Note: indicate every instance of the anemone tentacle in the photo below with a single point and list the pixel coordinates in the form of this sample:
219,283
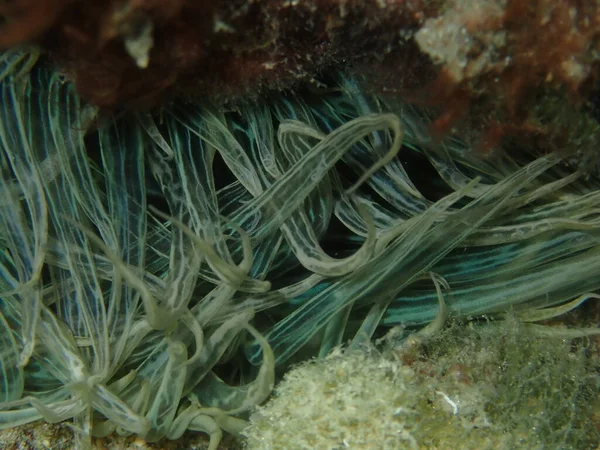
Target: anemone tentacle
142,255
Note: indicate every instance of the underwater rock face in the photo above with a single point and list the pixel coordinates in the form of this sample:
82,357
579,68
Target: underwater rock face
44,436
137,52
481,62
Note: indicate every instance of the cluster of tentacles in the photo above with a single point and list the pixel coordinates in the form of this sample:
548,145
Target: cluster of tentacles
143,253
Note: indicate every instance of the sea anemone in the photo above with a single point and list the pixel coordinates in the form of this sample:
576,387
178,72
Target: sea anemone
157,268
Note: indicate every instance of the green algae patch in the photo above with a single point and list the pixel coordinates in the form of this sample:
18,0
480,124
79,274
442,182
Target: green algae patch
493,386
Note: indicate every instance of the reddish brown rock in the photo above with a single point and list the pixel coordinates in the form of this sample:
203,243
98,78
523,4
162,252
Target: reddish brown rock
482,65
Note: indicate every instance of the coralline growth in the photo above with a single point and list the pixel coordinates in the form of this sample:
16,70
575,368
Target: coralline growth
495,386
